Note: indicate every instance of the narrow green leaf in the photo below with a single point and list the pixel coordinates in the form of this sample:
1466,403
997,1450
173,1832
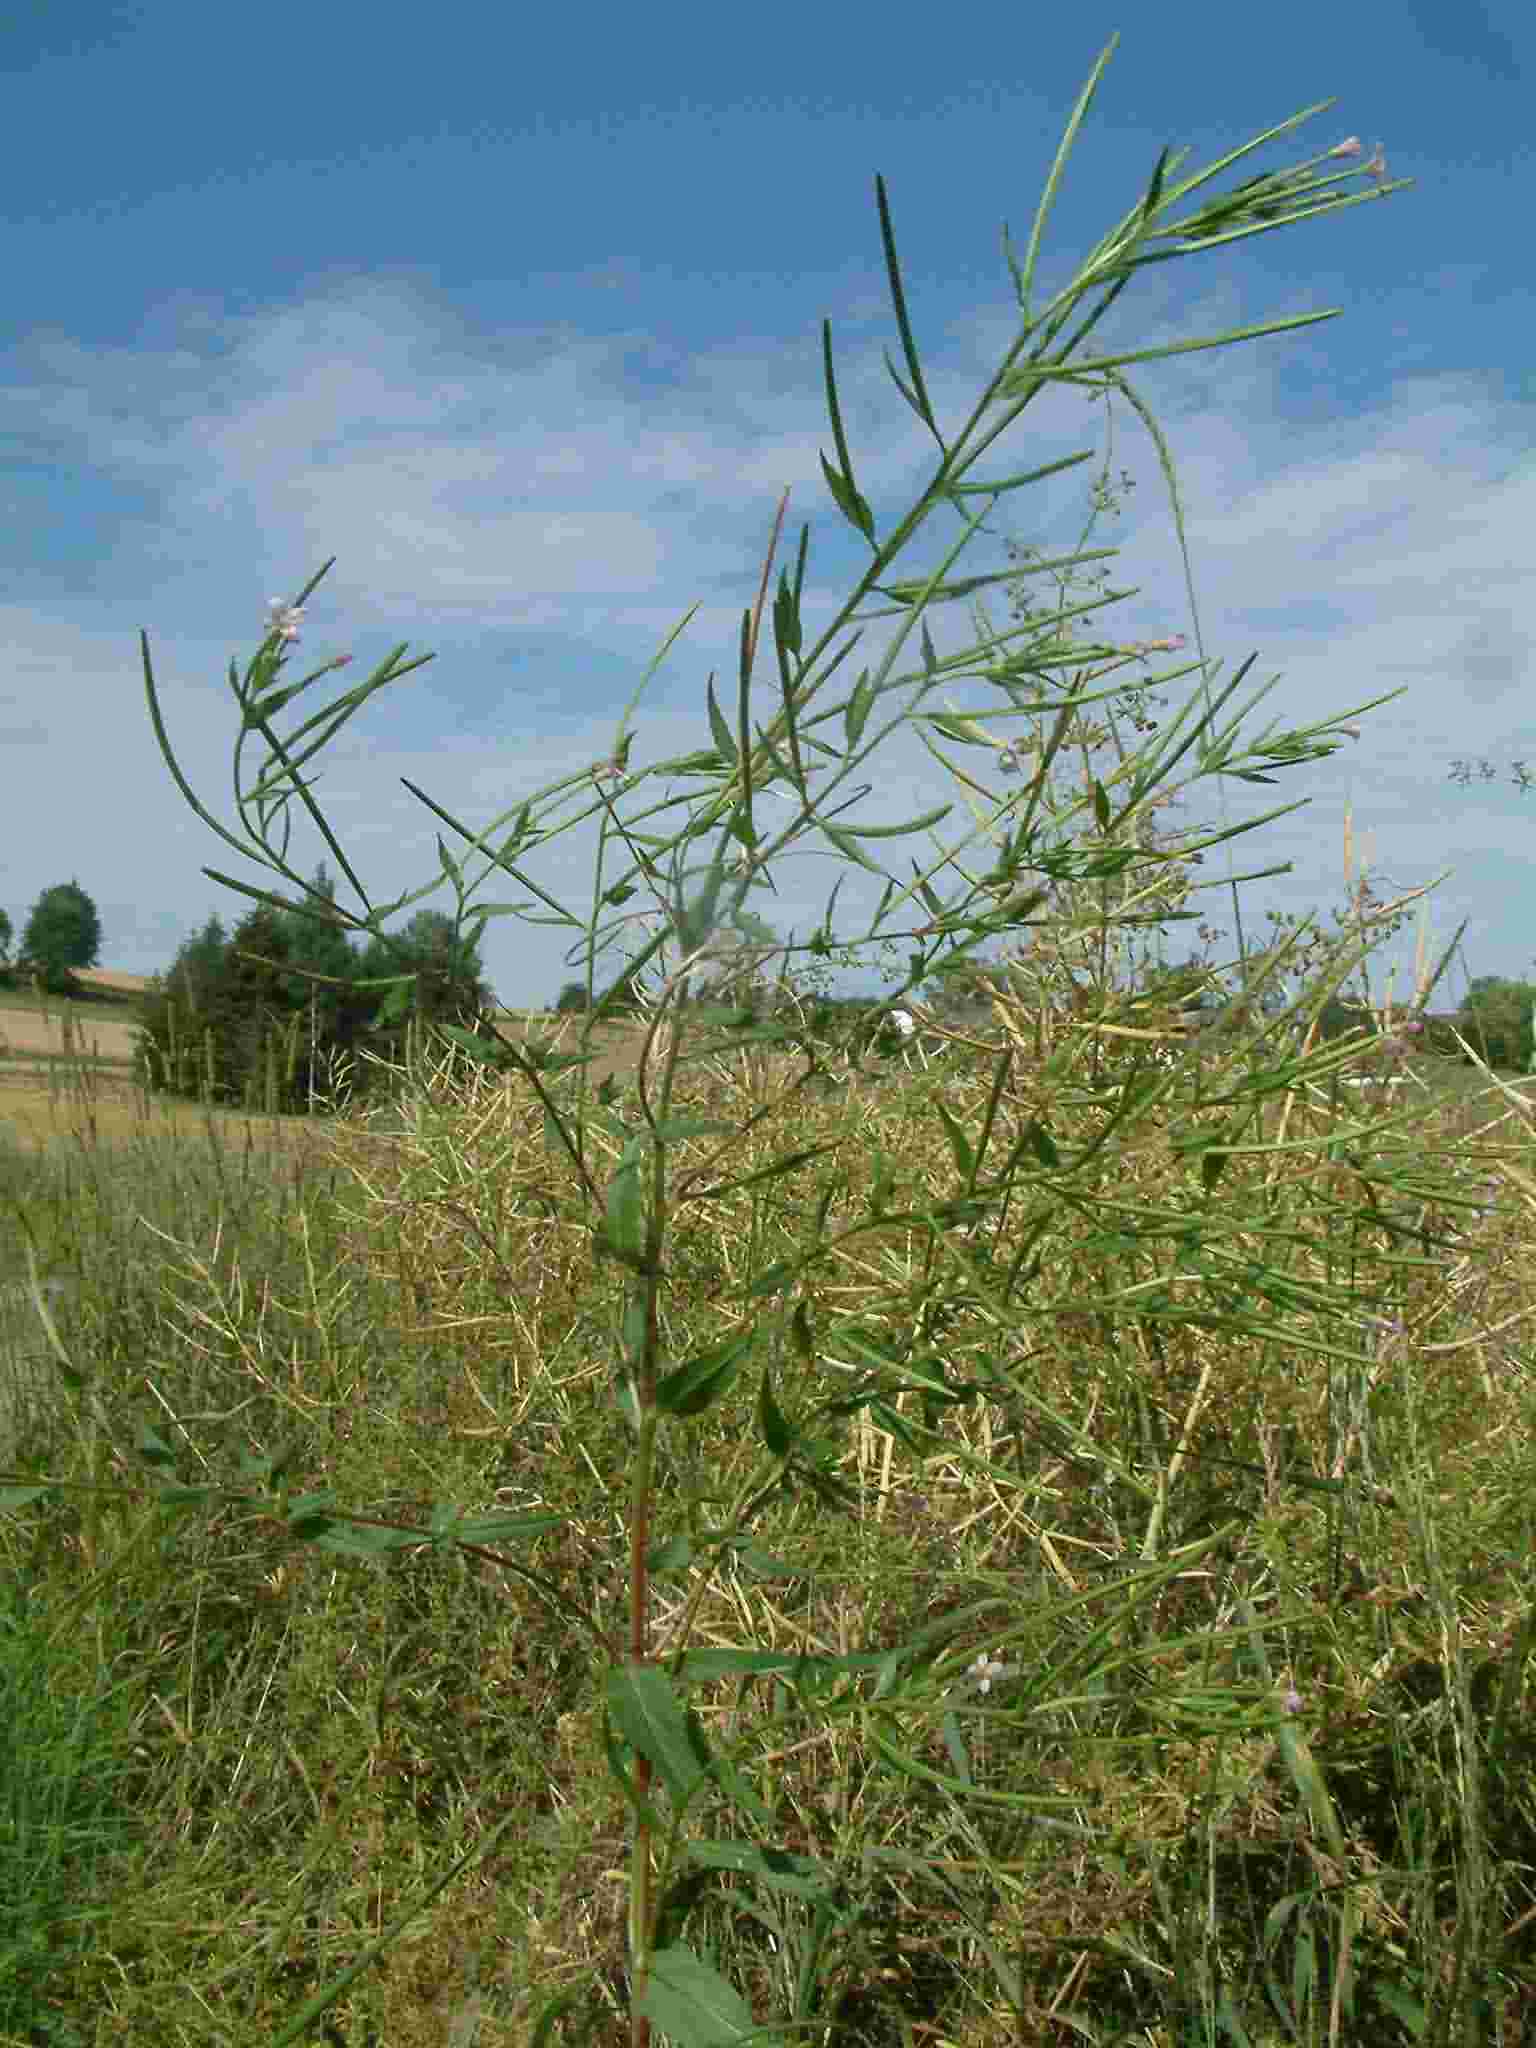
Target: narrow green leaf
1020,291
920,404
908,593
1413,2015
675,1555
764,1172
1042,1144
720,732
954,1742
310,1507
495,1528
649,1714
993,487
624,1221
843,488
921,824
931,900
490,1052
963,731
849,503
354,1539
634,1327
776,1431
692,2004
691,1387
801,1876
696,920
959,1143
741,828
786,616
909,396
1101,805
1149,204
20,1496
848,847
618,1768
1213,1164
762,1564
856,711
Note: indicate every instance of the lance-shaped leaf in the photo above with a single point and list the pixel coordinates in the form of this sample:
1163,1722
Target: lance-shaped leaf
921,824
959,1143
841,484
847,847
497,1528
624,1219
965,732
917,398
691,1387
720,732
692,2004
786,616
801,1876
619,1757
696,920
856,710
650,1715
779,1433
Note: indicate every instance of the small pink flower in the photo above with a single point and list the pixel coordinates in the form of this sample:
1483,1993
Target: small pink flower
283,618
1351,147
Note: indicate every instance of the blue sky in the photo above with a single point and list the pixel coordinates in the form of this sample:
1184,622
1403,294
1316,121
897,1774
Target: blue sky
518,314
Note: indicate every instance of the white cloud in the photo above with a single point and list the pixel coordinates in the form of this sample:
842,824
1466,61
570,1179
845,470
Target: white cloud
475,491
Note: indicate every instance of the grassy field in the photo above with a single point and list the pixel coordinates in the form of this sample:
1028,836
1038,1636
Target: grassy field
247,1758
47,1043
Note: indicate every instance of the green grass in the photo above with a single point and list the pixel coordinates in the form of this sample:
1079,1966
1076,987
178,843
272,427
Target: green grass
299,1745
62,1819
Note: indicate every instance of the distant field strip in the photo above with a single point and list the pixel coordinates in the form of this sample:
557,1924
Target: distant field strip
25,1033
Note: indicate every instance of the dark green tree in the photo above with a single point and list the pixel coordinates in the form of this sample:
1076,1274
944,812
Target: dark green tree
573,996
448,987
334,1010
186,1022
63,932
1495,1019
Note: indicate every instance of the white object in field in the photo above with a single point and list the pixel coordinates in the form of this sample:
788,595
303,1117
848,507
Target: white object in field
906,1025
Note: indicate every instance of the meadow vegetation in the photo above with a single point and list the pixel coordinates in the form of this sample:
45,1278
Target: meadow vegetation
764,1540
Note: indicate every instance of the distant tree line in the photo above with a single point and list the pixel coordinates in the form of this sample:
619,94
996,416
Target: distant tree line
234,1021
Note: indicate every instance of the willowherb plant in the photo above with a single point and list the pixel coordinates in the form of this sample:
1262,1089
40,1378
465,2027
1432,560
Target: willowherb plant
635,1161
